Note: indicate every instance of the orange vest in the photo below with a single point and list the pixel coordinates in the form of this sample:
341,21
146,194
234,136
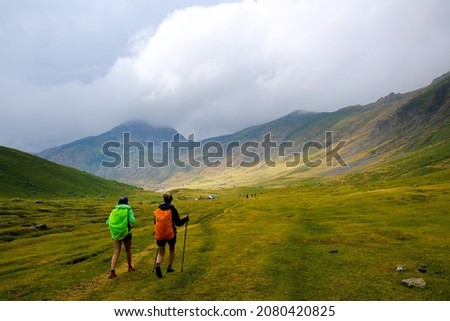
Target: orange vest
163,225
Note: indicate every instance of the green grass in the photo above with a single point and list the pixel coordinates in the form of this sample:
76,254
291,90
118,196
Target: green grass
274,246
27,176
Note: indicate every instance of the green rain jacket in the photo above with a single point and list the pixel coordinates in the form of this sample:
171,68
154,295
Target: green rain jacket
120,221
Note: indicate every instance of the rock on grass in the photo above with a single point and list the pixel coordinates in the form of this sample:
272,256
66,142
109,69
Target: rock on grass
415,282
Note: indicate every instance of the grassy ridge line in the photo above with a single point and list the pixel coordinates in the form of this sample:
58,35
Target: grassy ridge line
23,175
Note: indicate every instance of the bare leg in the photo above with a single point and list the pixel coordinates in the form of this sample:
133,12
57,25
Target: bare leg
161,253
171,254
159,259
128,251
115,257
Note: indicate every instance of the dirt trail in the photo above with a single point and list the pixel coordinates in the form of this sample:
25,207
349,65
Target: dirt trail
82,290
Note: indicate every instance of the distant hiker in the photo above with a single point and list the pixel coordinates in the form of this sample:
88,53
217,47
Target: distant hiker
120,222
165,221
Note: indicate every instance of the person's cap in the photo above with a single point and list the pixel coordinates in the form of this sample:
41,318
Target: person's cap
123,200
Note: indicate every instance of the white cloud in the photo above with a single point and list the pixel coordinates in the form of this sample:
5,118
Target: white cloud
218,69
214,70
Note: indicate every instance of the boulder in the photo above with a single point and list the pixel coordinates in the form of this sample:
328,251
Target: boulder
415,282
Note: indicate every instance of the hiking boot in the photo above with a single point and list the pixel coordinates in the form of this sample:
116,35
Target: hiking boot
112,274
158,272
170,270
131,269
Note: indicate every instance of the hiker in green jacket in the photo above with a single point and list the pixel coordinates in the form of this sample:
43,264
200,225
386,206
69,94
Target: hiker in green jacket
120,222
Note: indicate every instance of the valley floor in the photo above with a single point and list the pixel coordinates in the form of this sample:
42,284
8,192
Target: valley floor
306,242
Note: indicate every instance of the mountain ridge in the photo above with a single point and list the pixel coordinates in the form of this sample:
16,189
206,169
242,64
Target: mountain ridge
375,134
88,154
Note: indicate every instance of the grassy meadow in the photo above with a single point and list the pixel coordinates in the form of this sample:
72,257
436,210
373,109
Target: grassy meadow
313,240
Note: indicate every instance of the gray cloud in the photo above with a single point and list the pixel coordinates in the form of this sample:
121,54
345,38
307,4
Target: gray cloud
213,70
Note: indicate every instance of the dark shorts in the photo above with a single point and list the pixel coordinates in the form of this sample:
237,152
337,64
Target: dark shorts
126,238
163,242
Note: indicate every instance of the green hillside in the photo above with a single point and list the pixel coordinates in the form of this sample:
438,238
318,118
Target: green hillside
23,176
396,135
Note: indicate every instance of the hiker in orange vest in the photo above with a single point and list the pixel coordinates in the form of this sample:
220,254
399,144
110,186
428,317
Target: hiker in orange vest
165,222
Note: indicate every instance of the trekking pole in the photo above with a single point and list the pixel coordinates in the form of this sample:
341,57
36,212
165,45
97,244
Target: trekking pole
156,256
184,246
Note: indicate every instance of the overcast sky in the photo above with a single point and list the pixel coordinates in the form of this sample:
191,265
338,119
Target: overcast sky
72,68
